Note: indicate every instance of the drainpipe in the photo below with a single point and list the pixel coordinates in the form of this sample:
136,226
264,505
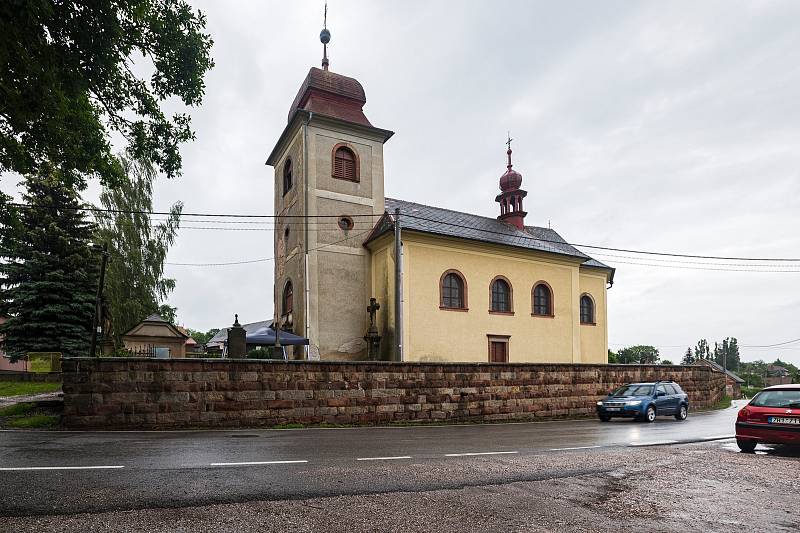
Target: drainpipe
307,306
398,286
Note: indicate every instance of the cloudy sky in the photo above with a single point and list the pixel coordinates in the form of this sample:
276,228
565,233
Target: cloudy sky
662,126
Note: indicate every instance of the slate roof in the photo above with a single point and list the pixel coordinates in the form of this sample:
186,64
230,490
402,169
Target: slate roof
439,221
719,368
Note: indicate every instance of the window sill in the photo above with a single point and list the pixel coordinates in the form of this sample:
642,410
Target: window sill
354,180
537,315
507,313
588,323
458,309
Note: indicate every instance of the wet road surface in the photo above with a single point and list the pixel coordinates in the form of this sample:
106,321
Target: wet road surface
49,472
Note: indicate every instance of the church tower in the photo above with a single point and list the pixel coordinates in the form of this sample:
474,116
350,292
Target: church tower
328,184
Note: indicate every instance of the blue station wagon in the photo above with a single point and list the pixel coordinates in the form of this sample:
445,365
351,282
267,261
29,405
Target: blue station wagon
645,401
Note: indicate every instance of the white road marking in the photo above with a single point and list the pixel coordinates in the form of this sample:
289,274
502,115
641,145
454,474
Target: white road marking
383,458
250,463
98,467
653,443
476,453
574,448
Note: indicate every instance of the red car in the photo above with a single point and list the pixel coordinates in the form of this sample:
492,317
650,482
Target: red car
772,416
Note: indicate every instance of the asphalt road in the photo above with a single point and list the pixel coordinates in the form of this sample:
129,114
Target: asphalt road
55,472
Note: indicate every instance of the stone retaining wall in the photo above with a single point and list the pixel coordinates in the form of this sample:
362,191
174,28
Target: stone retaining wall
48,377
178,393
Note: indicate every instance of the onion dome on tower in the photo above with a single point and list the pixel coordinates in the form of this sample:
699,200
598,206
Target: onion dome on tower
510,199
327,93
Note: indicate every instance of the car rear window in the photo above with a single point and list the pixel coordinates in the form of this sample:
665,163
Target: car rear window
670,388
634,390
678,389
777,398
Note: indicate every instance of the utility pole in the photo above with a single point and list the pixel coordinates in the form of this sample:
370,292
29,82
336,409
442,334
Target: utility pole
98,300
398,287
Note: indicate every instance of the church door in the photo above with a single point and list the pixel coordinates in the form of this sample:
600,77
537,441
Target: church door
498,352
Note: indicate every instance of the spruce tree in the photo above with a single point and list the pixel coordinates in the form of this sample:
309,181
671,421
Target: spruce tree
49,273
688,357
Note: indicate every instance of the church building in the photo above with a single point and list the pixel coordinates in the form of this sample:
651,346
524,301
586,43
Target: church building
474,289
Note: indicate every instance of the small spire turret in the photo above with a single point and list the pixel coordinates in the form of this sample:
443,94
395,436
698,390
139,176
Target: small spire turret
325,38
510,197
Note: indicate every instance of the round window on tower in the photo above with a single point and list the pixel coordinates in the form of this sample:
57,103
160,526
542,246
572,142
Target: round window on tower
346,222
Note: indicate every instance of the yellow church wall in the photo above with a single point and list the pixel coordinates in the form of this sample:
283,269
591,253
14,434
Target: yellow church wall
434,334
594,338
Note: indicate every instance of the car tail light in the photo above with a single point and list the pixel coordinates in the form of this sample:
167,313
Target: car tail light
743,413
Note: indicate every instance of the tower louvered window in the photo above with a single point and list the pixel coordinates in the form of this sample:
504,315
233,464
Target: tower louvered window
288,299
344,164
288,183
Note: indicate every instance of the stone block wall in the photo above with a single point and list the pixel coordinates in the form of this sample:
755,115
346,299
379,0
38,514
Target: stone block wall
182,393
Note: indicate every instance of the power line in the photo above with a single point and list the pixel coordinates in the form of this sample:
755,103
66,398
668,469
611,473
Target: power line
265,259
709,268
769,345
167,213
96,211
667,254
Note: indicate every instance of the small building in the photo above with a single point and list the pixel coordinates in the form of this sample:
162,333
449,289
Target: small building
777,375
154,334
733,383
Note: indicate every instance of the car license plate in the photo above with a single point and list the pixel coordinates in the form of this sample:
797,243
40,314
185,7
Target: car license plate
612,408
784,420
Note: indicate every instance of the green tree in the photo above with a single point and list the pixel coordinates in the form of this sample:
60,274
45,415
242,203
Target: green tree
666,362
726,353
688,357
612,357
641,354
135,286
68,78
702,351
201,337
49,272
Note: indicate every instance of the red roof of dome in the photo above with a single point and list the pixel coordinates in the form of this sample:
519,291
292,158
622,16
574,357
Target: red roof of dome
510,180
333,95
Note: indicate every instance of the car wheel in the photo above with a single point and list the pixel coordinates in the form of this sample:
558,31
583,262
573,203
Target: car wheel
650,415
746,445
604,418
682,413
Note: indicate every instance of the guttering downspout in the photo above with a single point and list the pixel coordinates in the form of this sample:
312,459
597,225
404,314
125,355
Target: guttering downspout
305,230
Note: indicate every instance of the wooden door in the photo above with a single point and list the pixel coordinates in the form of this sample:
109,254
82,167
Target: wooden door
498,352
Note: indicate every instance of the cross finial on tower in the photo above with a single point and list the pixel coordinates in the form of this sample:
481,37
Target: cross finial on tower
325,38
508,142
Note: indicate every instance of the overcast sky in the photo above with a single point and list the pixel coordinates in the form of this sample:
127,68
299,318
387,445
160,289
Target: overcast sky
665,126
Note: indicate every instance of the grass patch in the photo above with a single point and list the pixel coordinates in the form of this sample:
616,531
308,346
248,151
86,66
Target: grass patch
293,425
17,388
723,403
18,409
35,421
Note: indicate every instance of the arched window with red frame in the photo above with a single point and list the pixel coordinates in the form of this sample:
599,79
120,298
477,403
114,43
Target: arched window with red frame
345,163
542,300
587,310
